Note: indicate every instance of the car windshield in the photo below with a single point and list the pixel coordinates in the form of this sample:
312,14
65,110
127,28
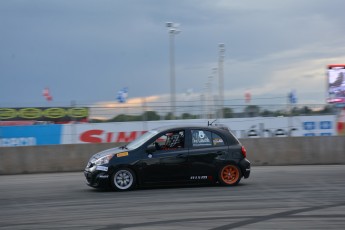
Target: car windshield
142,139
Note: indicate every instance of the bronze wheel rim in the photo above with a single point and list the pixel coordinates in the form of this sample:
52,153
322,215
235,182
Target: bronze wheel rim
230,174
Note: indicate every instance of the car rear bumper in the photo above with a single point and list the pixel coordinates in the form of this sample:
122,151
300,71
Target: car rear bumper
245,167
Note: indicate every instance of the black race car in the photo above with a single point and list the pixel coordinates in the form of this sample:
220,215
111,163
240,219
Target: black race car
171,155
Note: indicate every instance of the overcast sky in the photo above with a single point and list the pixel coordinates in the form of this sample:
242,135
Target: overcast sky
88,50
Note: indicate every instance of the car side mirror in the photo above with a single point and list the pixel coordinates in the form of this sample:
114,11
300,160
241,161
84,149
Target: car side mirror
150,149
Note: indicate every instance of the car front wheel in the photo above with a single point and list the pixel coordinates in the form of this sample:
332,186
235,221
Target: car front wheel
230,175
123,179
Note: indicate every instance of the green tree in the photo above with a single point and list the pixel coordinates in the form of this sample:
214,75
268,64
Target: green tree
267,113
96,121
228,113
327,110
252,110
295,111
169,116
306,110
188,116
124,117
151,116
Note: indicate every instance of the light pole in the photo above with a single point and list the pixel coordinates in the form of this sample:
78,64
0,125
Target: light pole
211,99
221,78
172,31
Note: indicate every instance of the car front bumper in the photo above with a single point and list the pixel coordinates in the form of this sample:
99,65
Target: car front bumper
96,178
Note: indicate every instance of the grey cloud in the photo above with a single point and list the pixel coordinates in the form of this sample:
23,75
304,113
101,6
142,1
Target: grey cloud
78,47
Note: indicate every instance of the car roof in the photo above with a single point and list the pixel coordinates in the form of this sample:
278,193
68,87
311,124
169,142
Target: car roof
191,126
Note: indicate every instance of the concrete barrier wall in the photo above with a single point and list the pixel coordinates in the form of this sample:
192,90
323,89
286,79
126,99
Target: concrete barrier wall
296,150
260,151
49,158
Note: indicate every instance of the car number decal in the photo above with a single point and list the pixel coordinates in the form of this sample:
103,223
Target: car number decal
122,154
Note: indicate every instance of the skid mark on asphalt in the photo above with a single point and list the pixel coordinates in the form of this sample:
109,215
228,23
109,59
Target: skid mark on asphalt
274,216
245,220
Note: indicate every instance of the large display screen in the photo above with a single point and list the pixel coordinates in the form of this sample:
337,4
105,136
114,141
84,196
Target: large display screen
336,83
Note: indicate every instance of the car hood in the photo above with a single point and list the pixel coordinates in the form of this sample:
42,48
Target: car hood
107,152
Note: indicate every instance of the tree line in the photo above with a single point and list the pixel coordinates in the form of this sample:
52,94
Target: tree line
248,111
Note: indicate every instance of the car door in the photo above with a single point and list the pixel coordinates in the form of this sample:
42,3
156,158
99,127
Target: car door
206,147
169,162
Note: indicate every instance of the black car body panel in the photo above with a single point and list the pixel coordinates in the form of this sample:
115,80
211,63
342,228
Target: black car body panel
171,155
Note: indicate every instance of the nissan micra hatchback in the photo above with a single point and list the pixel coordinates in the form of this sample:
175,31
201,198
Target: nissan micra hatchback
171,155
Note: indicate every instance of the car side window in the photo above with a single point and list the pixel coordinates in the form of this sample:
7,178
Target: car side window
202,138
217,140
170,140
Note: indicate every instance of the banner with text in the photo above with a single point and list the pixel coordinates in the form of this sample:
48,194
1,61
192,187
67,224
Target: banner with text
52,114
256,127
30,135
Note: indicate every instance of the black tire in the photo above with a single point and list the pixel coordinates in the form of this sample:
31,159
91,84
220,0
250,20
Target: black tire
229,175
123,179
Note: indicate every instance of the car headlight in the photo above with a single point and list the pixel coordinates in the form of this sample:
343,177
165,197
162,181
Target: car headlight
104,160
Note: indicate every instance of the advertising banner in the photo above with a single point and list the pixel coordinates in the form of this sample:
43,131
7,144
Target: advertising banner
30,135
341,122
52,114
256,127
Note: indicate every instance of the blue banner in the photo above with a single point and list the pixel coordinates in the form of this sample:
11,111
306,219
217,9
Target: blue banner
30,135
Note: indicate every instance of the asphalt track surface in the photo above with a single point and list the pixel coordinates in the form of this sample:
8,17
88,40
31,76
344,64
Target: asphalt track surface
289,197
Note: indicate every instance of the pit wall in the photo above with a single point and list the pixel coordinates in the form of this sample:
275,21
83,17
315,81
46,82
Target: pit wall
260,151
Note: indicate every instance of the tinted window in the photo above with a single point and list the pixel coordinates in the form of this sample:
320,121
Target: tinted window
217,140
170,140
202,138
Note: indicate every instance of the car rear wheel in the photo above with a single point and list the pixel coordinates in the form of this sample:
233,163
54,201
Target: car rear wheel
230,175
123,179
